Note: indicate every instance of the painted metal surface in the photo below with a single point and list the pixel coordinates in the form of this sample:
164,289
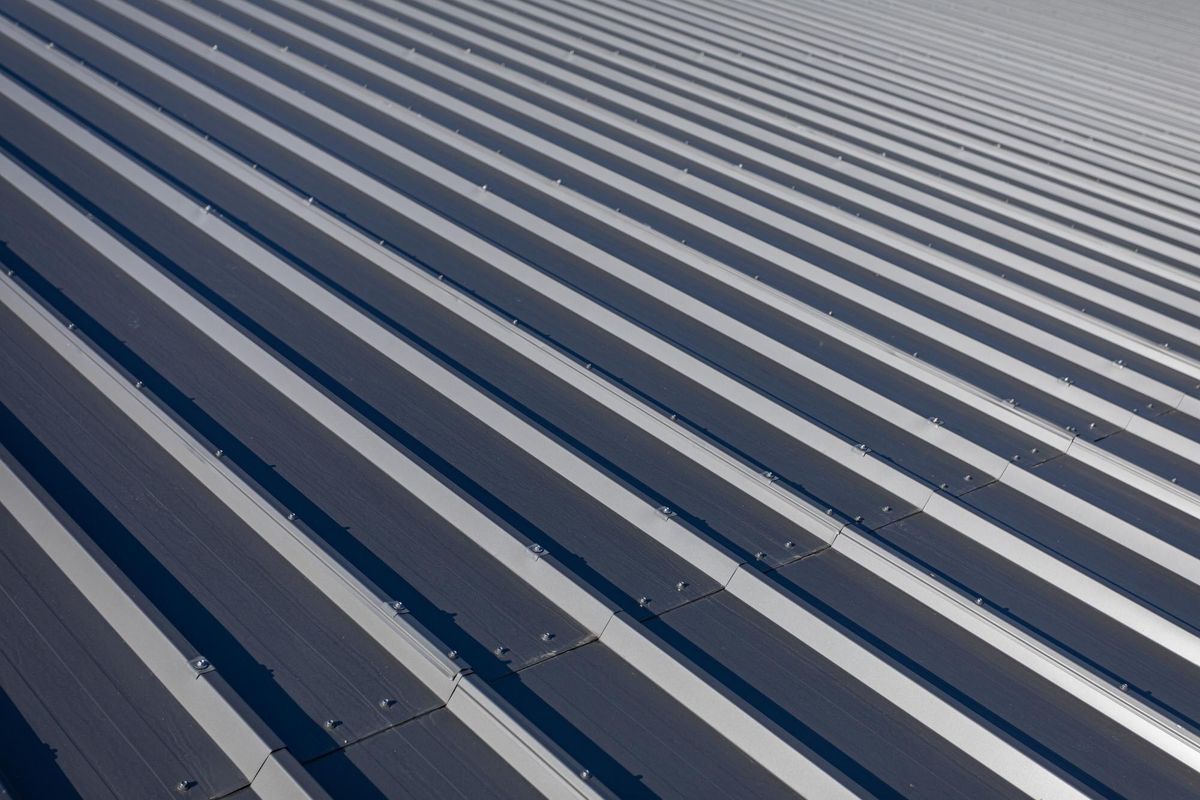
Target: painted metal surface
597,399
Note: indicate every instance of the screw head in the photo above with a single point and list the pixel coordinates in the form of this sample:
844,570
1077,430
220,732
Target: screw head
643,601
679,587
291,515
978,601
1124,687
397,606
887,508
387,702
537,548
330,724
184,785
452,654
585,774
500,650
200,664
547,636
789,544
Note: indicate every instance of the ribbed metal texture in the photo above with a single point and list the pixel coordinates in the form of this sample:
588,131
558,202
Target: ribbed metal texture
599,398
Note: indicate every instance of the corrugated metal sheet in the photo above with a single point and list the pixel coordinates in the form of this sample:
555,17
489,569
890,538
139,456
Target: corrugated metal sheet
672,398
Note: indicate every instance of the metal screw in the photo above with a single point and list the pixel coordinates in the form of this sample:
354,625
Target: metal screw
387,702
547,636
500,650
537,548
679,587
887,508
945,485
789,544
137,384
585,774
1124,687
978,601
858,518
643,600
200,664
184,785
397,606
453,654
291,515
218,452
330,724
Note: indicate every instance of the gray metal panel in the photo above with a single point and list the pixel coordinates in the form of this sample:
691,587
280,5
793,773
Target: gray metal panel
356,509
1151,671
597,434
630,733
1158,460
510,484
830,483
434,755
1024,708
75,701
817,705
999,644
1057,532
276,641
1122,500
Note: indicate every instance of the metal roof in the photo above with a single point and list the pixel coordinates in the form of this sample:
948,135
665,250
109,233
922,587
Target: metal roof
599,398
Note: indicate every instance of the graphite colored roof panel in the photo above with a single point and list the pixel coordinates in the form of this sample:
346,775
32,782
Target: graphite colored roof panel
82,717
597,398
430,756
